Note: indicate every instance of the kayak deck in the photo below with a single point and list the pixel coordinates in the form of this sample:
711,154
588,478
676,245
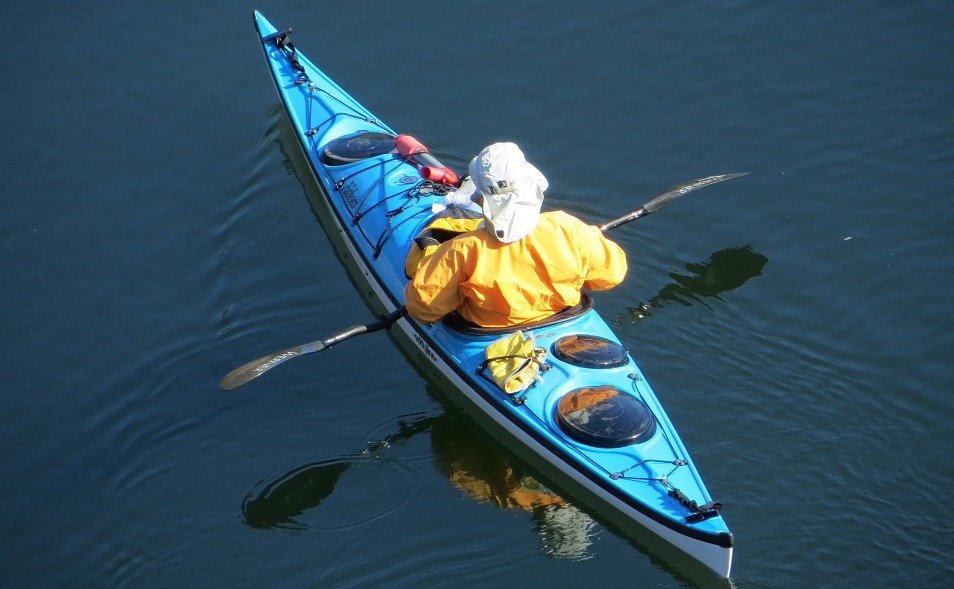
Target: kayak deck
378,204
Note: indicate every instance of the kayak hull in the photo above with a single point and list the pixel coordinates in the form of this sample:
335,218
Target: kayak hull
372,208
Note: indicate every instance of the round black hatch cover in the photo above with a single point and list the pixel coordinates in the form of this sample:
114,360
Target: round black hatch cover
357,147
589,351
605,416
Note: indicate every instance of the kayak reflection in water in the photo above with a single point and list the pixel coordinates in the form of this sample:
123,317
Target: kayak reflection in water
471,464
482,472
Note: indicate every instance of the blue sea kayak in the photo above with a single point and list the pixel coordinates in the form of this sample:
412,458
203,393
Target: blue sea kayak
590,421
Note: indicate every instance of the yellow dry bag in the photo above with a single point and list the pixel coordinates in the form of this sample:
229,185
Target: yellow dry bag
514,361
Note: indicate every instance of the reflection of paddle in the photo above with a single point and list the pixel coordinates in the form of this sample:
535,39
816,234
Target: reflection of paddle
305,487
259,366
471,463
725,270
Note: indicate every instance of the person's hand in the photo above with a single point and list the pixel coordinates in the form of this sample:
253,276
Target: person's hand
462,197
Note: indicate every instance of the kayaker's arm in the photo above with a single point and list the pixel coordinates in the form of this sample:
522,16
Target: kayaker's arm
434,291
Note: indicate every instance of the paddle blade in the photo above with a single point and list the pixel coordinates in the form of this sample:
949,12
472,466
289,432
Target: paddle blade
678,191
667,197
259,366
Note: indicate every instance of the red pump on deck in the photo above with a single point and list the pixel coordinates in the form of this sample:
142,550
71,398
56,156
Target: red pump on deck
430,168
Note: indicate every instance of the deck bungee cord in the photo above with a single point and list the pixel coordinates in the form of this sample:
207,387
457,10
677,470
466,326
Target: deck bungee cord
412,193
425,188
527,360
696,512
283,43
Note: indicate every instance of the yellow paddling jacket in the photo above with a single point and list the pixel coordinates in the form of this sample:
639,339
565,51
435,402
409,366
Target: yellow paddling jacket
496,284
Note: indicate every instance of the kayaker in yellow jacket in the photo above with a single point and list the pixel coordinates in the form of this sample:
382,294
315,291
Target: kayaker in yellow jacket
523,265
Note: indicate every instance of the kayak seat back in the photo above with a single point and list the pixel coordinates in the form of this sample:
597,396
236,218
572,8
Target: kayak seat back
459,324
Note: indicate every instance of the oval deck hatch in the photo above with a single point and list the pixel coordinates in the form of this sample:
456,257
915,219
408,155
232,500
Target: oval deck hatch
590,351
357,147
605,416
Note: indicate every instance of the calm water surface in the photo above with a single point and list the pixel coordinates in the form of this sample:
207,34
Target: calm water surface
156,234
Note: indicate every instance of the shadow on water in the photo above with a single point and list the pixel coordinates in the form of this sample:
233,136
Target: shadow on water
725,270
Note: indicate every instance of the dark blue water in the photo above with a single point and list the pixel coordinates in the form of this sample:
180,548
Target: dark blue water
156,234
